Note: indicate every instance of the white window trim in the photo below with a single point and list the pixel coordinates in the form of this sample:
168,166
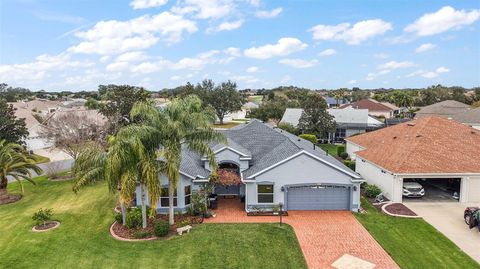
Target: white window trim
174,197
273,194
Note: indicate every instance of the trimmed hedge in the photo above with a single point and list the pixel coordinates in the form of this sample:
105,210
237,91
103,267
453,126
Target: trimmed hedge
343,155
310,137
134,218
350,164
340,149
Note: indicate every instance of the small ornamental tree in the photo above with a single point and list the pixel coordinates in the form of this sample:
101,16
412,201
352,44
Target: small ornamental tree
42,216
227,177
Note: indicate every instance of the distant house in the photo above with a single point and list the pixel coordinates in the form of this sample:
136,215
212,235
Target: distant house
375,108
470,118
446,109
332,102
439,153
395,121
349,121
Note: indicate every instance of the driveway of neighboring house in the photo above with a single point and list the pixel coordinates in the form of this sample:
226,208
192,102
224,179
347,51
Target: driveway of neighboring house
324,236
447,217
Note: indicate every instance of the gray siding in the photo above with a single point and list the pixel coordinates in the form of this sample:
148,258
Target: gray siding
302,169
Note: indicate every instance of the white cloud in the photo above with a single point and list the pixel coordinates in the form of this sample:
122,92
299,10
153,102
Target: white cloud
351,34
429,75
352,81
175,78
283,47
205,9
131,56
226,26
442,20
247,79
442,69
268,14
232,51
140,4
328,52
299,63
117,66
373,75
286,79
112,37
396,65
425,47
252,69
41,68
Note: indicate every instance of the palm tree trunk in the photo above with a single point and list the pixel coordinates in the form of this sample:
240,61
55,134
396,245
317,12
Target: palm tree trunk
144,206
3,185
124,212
171,214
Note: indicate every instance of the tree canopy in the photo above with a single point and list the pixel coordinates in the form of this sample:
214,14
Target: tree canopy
315,119
12,130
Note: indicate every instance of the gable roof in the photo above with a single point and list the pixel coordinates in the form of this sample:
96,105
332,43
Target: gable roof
370,104
446,108
471,116
426,145
343,117
267,147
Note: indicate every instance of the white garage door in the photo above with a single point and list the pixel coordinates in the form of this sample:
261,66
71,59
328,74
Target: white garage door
474,190
318,198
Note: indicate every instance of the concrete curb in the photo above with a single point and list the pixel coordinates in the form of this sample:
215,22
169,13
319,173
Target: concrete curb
397,215
126,239
57,224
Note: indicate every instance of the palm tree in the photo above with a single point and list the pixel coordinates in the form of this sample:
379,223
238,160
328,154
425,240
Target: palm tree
184,123
16,163
127,163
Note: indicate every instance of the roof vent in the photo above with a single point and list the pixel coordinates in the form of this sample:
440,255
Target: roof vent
395,137
299,140
418,135
411,124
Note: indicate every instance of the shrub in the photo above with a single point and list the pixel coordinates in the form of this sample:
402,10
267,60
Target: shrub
134,218
350,164
372,191
309,137
118,218
161,228
42,216
340,149
343,155
141,234
183,223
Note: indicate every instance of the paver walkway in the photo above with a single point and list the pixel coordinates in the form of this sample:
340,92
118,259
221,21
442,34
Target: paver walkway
324,236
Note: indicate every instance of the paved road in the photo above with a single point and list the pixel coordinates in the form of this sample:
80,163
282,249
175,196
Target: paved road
447,217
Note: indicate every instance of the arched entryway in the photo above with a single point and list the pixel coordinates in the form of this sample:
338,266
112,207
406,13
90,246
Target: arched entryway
228,182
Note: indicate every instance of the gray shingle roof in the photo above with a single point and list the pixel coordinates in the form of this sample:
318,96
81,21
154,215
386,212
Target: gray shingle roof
267,146
446,108
345,118
469,117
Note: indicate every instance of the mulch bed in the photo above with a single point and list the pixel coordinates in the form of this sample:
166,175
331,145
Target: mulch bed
10,198
399,209
126,233
47,226
61,178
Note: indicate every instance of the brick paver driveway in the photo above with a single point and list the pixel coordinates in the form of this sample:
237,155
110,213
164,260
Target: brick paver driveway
324,236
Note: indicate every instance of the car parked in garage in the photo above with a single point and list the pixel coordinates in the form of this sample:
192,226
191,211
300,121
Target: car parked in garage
413,189
472,217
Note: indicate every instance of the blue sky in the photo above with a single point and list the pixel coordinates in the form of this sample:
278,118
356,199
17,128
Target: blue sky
76,45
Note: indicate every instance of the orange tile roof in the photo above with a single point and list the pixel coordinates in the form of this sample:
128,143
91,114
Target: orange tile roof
427,145
369,104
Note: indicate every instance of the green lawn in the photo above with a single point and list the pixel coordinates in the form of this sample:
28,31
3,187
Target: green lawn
332,148
255,98
226,125
413,243
83,240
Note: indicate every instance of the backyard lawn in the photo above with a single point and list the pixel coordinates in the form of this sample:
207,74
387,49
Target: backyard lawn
226,125
332,148
83,240
413,243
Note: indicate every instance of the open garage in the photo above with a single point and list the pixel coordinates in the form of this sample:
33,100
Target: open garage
439,154
431,189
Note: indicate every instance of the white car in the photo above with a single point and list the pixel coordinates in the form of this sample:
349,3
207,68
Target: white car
413,189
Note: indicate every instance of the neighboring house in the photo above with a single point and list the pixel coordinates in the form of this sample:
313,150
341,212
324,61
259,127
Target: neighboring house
446,109
375,108
435,151
332,102
74,102
470,118
349,121
395,121
274,167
